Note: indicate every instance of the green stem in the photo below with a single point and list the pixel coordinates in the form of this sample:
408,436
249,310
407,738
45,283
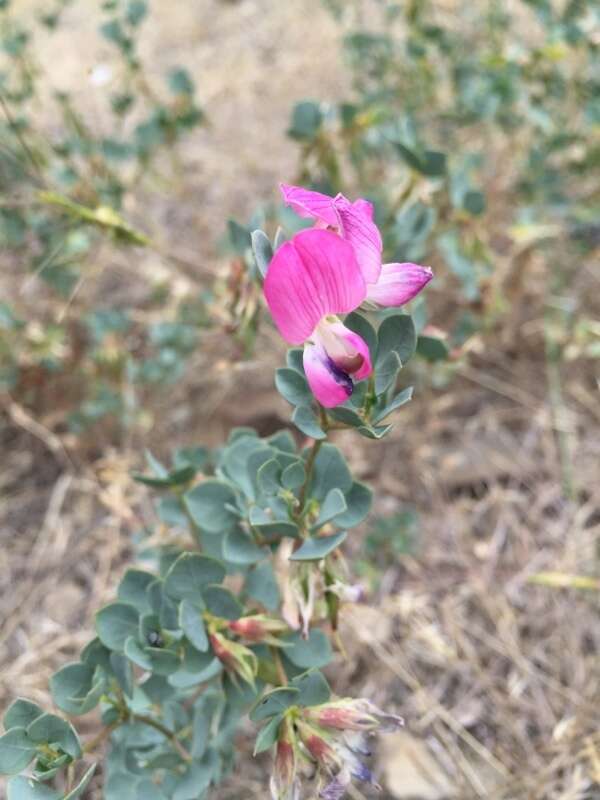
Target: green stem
172,737
310,461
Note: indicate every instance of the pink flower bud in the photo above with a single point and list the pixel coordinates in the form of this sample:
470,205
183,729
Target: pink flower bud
258,628
236,658
284,782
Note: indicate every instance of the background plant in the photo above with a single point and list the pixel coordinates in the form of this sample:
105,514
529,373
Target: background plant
64,192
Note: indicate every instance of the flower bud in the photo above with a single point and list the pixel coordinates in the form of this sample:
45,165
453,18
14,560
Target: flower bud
284,782
236,658
353,715
259,628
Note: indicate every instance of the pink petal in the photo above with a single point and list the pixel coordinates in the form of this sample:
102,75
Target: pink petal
313,205
348,351
312,275
359,229
399,283
330,385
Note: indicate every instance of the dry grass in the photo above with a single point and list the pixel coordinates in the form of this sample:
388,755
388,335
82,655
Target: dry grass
499,678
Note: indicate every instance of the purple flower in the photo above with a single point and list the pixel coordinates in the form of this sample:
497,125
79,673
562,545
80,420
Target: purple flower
310,280
388,284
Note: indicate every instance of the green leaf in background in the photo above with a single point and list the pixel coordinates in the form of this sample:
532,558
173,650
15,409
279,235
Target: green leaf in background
180,82
293,477
273,703
16,751
50,729
387,372
210,505
240,548
22,788
293,387
432,348
262,250
20,714
222,603
190,573
330,472
136,653
133,589
268,477
332,505
269,527
261,585
268,735
115,623
192,624
305,419
76,688
317,548
313,687
396,333
307,653
399,400
359,499
306,120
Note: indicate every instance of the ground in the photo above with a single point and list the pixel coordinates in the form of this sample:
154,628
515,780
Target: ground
497,677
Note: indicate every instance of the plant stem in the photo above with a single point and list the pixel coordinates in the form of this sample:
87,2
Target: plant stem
172,737
281,676
90,746
310,461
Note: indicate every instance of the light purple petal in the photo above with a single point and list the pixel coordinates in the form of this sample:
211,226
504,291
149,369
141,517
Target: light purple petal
348,351
313,205
399,283
329,384
312,275
359,229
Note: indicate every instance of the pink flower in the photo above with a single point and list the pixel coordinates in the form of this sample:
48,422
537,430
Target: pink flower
310,279
387,284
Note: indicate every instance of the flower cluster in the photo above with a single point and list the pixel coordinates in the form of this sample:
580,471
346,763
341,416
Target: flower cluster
330,269
331,738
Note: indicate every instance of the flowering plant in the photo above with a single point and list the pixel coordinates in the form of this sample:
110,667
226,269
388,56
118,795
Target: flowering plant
238,621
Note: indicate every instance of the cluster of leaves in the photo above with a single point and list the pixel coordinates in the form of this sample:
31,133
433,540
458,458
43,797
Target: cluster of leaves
63,193
473,129
232,616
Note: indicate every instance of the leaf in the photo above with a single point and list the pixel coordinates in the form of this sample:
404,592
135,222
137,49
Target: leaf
76,688
396,334
191,785
399,400
377,432
293,387
222,603
332,505
306,120
192,624
123,672
270,528
305,419
22,788
210,506
330,472
261,585
359,499
432,348
386,373
190,573
312,652
50,729
240,548
314,689
347,415
20,714
273,703
293,476
267,736
136,653
262,250
16,751
116,622
317,548
132,589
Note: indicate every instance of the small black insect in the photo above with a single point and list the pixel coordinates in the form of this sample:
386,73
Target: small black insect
155,639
